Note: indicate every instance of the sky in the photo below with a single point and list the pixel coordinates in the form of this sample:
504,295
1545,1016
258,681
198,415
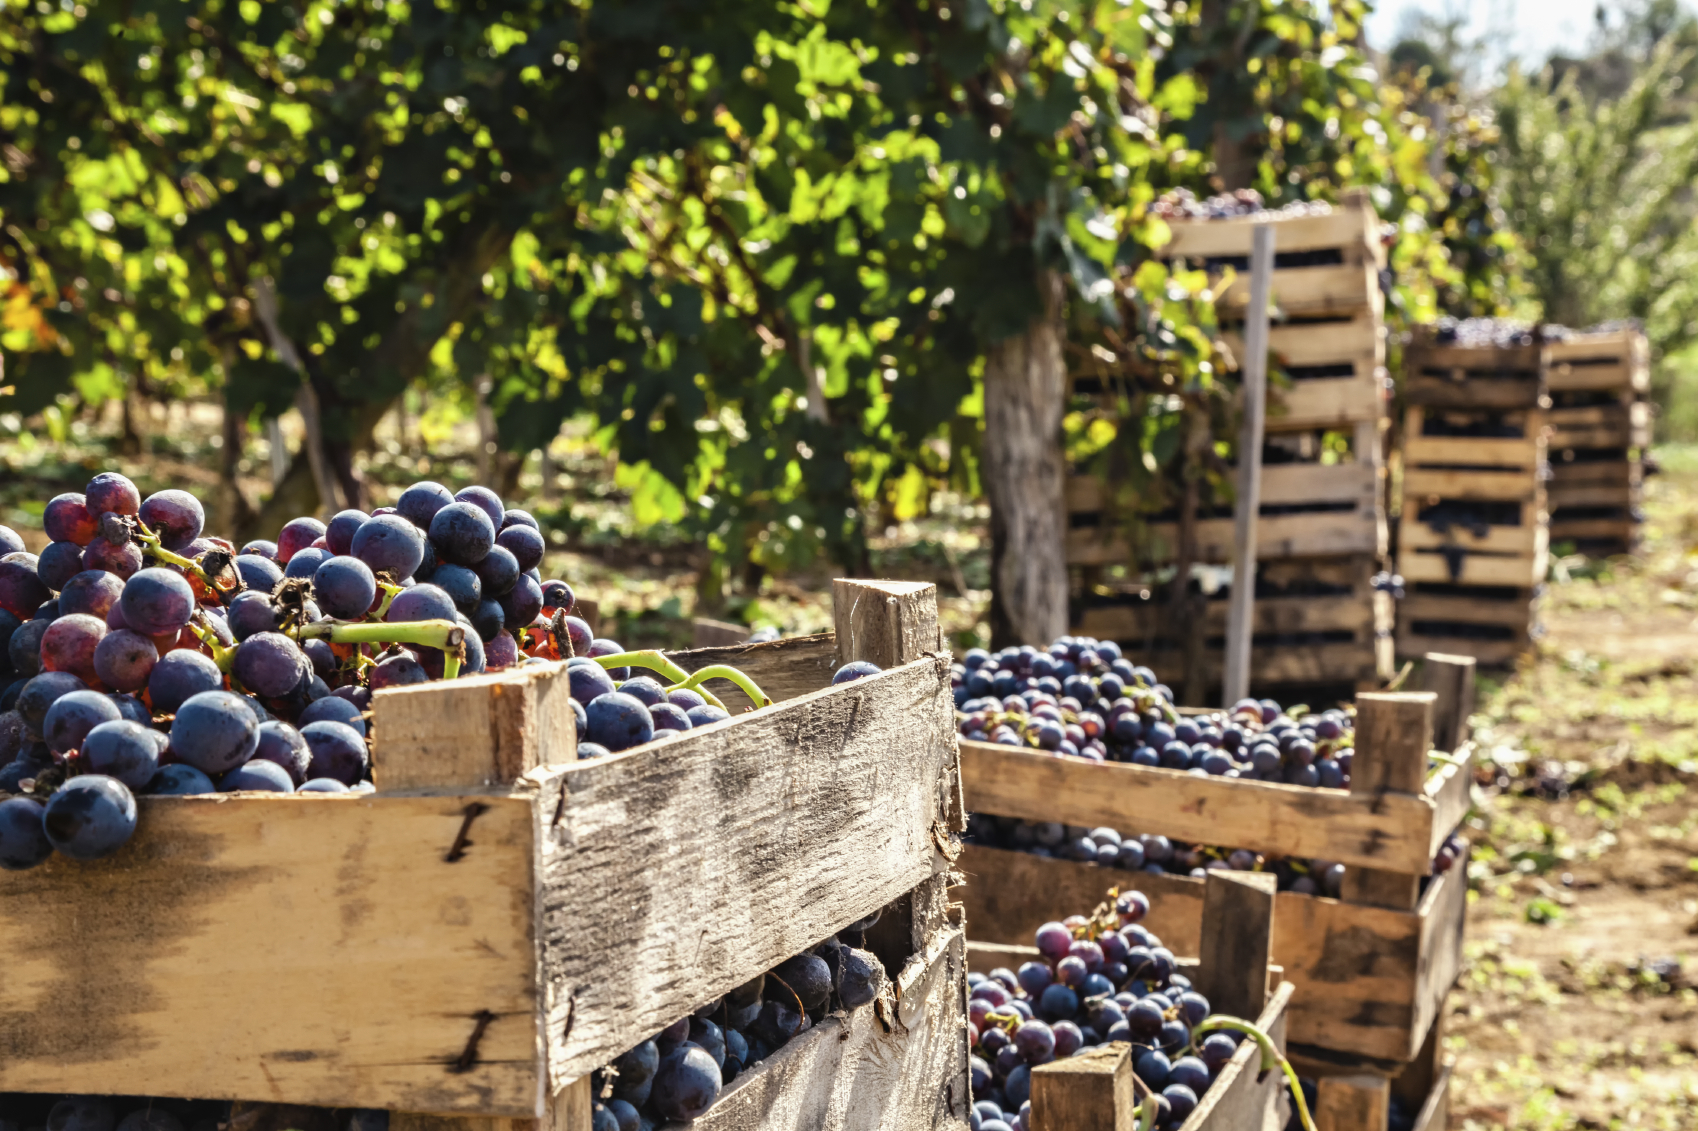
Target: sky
1526,29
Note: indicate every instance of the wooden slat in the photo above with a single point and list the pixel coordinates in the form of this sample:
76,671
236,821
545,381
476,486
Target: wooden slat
784,669
1443,914
1392,831
1298,291
1241,1097
1360,531
1344,227
136,975
1521,570
1394,732
1510,485
1327,402
1623,472
1451,680
1601,436
1359,338
1283,484
1237,940
1468,610
1093,1091
1435,1113
764,834
1522,452
1352,1103
1581,495
885,622
1343,612
1580,529
1414,645
473,732
1520,539
878,1067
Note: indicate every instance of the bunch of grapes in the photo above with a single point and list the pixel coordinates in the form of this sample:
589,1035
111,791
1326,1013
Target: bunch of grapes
1080,698
146,656
679,1073
1099,979
110,1113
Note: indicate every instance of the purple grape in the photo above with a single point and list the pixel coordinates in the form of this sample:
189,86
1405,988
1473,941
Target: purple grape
261,547
338,751
499,572
90,816
69,644
251,613
133,709
58,563
281,743
419,503
389,544
705,714
1054,940
618,721
110,492
269,664
23,839
179,676
345,588
21,591
297,534
214,731
305,562
1215,1051
1181,1102
666,716
339,534
176,516
257,573
358,696
178,780
157,601
525,544
487,619
336,709
859,669
502,651
257,774
588,680
485,500
421,602
67,519
122,559
399,670
90,591
604,647
646,689
321,785
513,516
73,715
11,542
124,750
578,632
37,696
462,534
462,586
686,699
686,1084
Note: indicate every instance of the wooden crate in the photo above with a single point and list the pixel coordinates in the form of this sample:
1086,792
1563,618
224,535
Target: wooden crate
1494,625
1385,830
442,945
1331,375
1094,1091
1619,359
1355,1093
1425,446
1446,375
1618,425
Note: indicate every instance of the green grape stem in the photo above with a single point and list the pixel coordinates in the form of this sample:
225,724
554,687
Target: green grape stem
1147,1110
678,678
444,635
725,671
221,655
152,548
1271,1057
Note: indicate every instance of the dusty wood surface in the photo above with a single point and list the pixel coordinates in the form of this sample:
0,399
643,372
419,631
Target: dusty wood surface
784,669
1236,941
325,938
1419,605
1238,1099
885,1067
706,632
1391,831
1443,916
1430,484
1394,732
709,858
1451,680
1352,1103
884,622
1093,1091
471,733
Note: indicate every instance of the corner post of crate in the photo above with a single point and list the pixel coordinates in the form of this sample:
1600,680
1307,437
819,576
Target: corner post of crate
1352,1103
1451,679
887,623
1093,1091
1394,732
1236,942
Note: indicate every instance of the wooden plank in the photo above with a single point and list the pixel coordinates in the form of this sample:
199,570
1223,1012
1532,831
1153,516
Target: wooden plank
1522,539
784,669
1394,731
1237,940
1344,227
379,956
1497,653
898,1065
1443,915
1599,416
1333,613
1623,472
1601,436
1435,1113
1471,451
1358,338
1341,288
1283,484
1419,606
1451,680
1428,484
1092,1091
1558,497
1241,1097
1352,1103
886,622
708,633
1579,529
1327,402
1359,531
1392,831
473,732
765,834
1519,570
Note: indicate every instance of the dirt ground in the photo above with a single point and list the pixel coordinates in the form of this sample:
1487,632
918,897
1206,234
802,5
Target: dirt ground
1578,1005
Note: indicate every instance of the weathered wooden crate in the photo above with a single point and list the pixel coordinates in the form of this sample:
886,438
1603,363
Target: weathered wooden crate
1307,510
1618,359
1095,1090
1404,945
1355,1093
1614,425
1446,375
500,919
1494,624
1316,621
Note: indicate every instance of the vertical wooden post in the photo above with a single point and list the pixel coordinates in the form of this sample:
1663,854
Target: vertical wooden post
1235,683
886,623
1394,732
1089,1092
1451,679
1352,1103
1237,940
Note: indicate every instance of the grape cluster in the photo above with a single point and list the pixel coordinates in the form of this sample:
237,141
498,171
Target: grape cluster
1183,204
38,1112
142,655
679,1073
1098,979
1080,698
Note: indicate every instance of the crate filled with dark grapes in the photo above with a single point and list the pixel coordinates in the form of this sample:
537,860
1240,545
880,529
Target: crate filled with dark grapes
1084,764
367,817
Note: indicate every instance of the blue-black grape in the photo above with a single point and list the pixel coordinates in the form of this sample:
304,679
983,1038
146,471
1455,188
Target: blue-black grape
669,717
261,574
399,670
82,1113
524,543
178,676
521,604
214,731
485,500
281,743
40,693
618,721
421,602
258,775
499,572
58,563
176,516
269,664
462,534
335,709
126,750
588,680
23,839
304,563
686,1084
705,714
178,780
249,613
345,588
321,785
419,503
338,751
645,689
461,584
858,669
157,601
339,532
90,816
389,544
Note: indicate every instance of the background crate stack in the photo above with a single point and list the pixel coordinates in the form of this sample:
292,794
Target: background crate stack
1600,424
501,919
1474,535
1322,530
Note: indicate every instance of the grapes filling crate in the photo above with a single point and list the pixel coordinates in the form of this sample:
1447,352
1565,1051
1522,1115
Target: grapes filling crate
501,919
1399,923
1322,508
1600,428
1097,1090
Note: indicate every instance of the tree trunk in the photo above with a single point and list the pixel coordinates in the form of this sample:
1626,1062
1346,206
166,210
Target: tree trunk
233,509
1023,471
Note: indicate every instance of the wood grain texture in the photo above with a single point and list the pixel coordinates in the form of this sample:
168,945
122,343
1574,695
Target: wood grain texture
1394,731
1435,1113
784,669
567,1110
1093,1091
856,1072
1236,941
1238,1099
1443,915
1451,680
708,633
473,732
1352,1103
326,939
884,622
1391,831
706,859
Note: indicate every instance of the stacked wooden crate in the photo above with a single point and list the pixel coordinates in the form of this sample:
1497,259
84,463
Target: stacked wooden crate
1600,427
1322,529
1474,535
501,919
